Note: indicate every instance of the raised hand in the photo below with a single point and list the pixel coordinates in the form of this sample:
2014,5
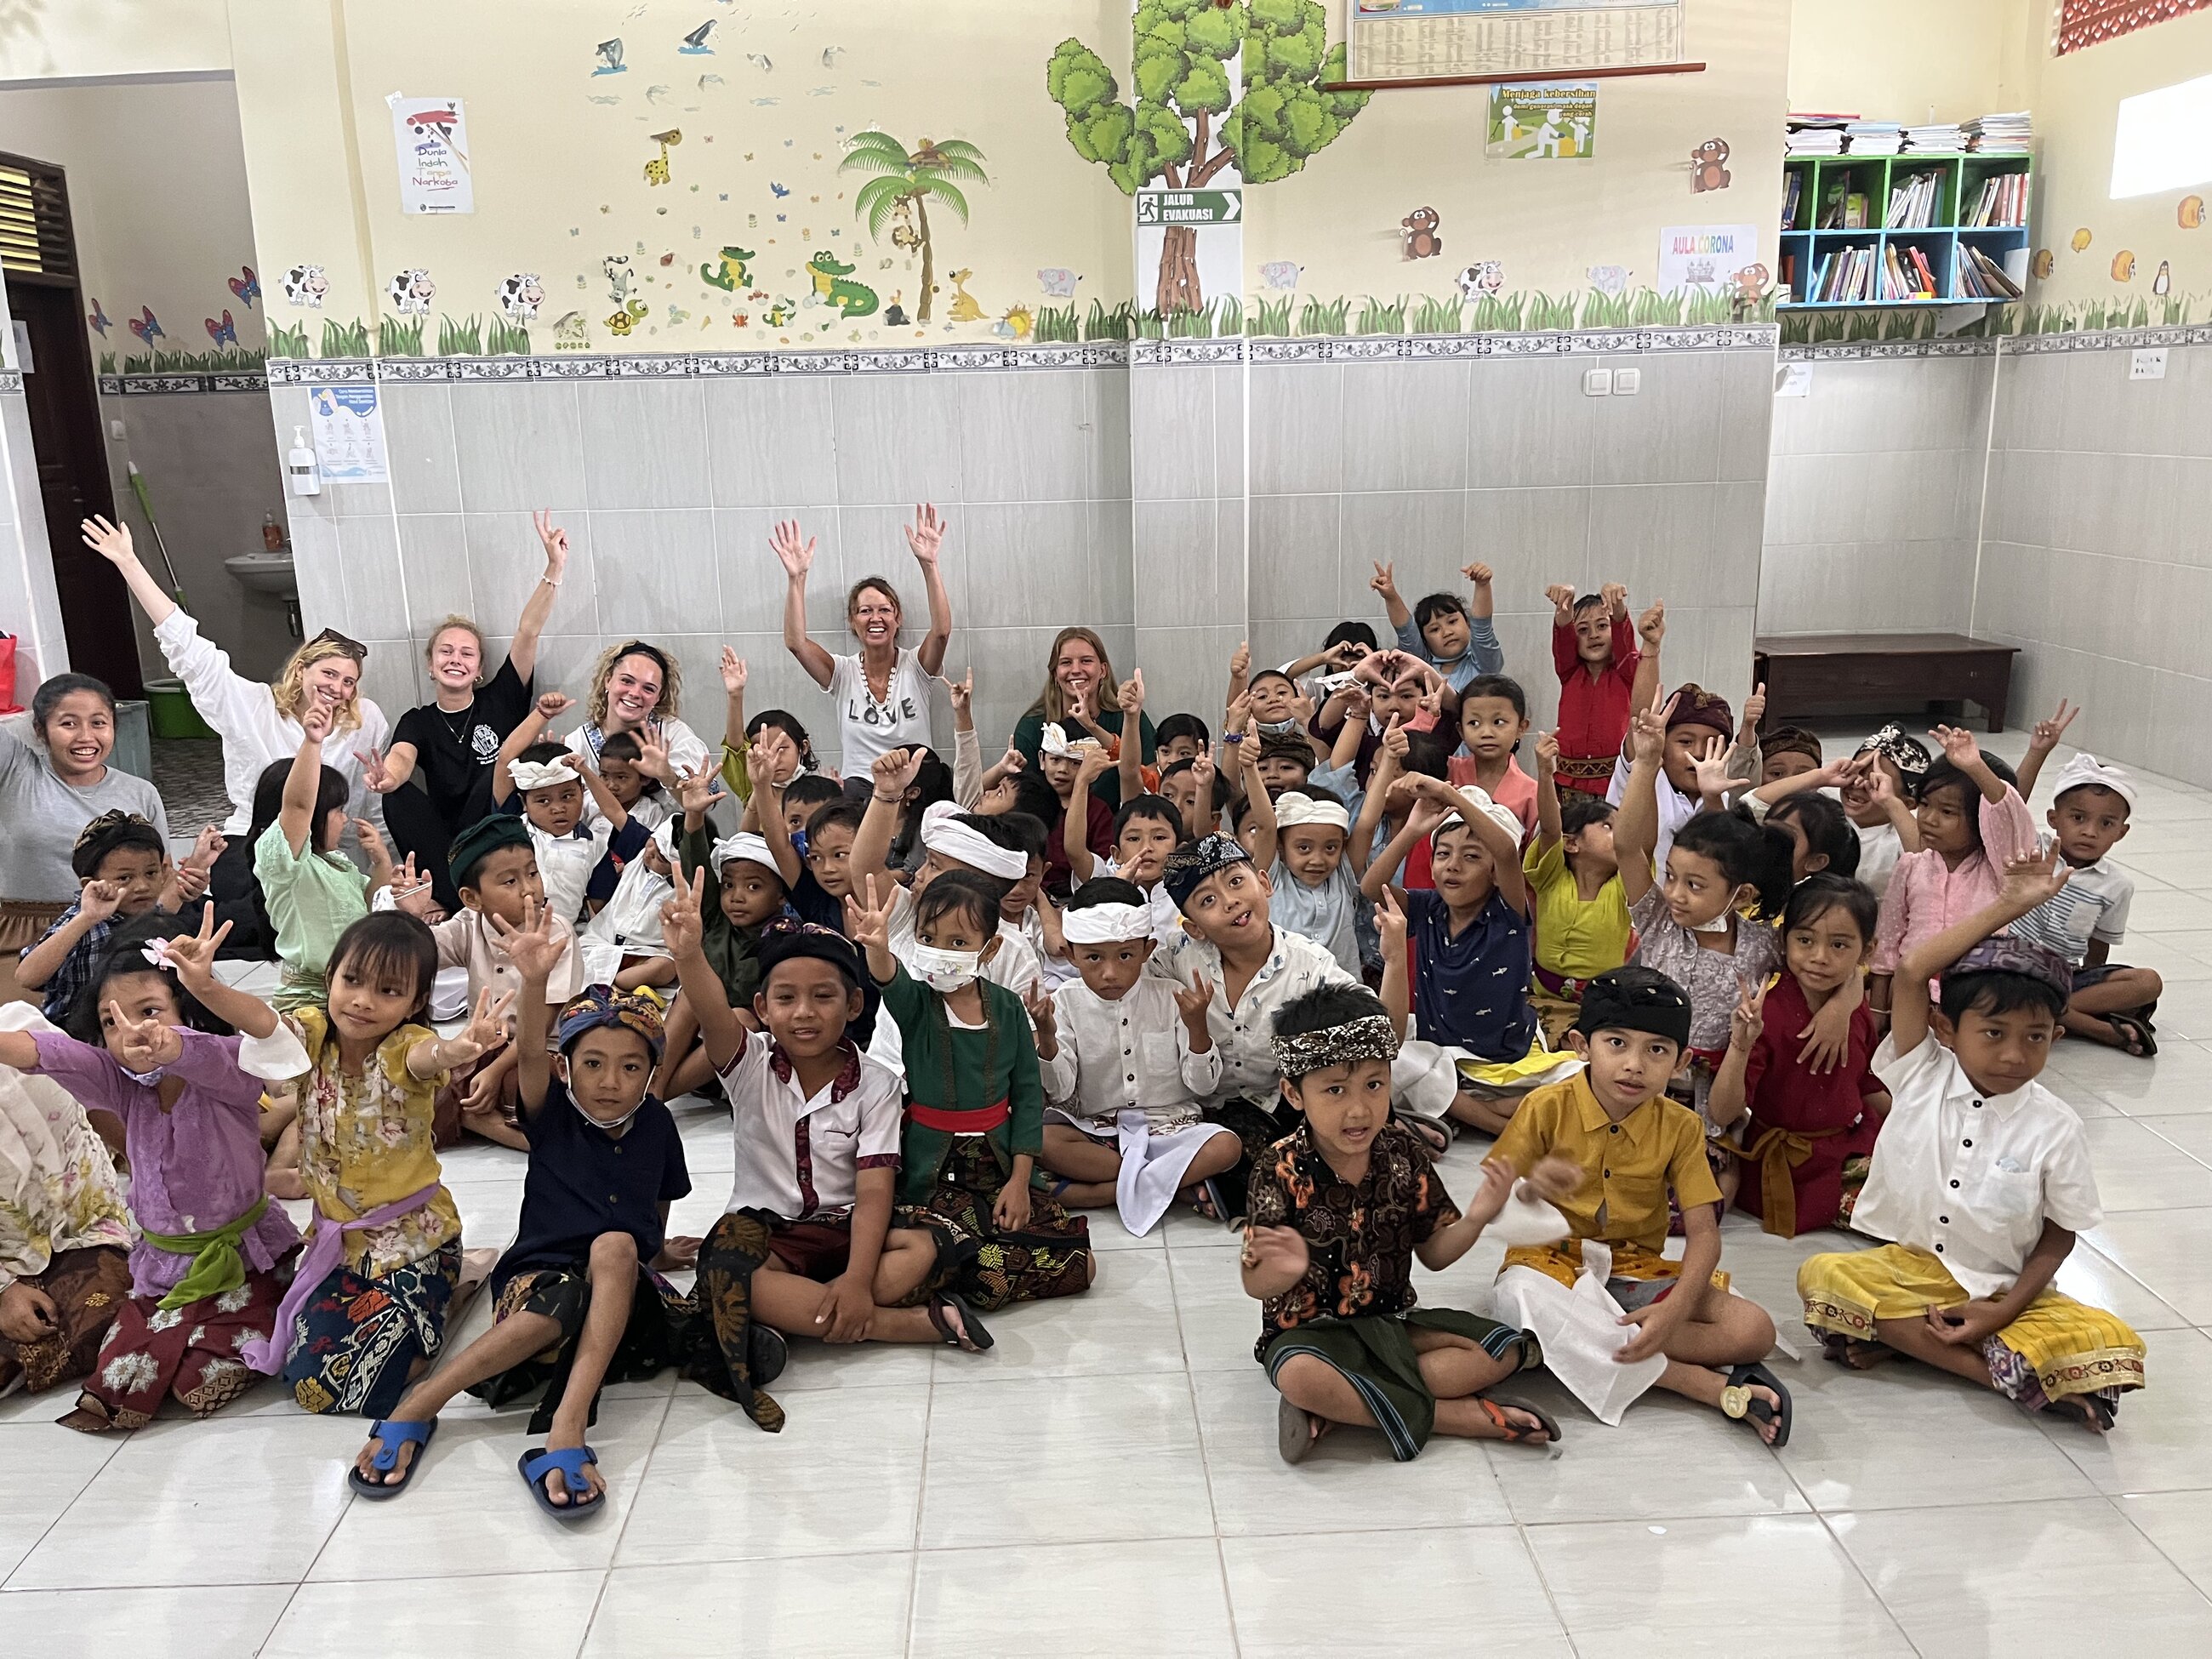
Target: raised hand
1395,741
1748,1018
1357,704
895,771
925,535
798,556
1132,693
681,928
1093,762
375,775
1385,579
653,751
1344,653
733,672
551,705
315,721
695,792
1240,663
110,541
1201,773
1390,917
372,845
1193,1002
1479,573
2035,879
1712,767
207,846
1958,745
534,948
485,1031
1043,1014
411,892
1651,626
2050,733
1548,754
143,1045
869,925
192,955
99,899
962,691
1647,734
1616,598
1754,708
555,542
1562,600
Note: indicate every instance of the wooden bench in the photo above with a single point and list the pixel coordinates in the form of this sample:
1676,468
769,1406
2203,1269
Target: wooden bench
1812,673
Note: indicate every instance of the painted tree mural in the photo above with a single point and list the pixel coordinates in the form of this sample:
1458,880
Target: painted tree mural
1180,131
905,185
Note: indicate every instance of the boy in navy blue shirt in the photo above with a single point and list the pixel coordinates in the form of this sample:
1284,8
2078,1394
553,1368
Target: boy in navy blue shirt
579,1300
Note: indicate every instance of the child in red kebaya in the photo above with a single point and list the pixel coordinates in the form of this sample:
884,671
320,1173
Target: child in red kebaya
1595,650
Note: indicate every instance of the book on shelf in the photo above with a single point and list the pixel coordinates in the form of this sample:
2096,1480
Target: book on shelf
1912,204
1944,136
2001,202
2009,132
1980,278
1875,137
1846,210
1793,189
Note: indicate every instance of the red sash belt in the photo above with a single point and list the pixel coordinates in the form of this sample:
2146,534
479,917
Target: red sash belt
978,1121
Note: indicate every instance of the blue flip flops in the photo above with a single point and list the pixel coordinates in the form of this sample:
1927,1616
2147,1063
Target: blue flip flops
570,1461
393,1436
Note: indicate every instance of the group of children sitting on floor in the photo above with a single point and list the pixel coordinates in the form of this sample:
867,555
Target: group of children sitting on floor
1678,968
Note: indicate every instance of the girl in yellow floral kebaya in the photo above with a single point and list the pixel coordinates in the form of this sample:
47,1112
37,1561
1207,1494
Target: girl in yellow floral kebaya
366,1309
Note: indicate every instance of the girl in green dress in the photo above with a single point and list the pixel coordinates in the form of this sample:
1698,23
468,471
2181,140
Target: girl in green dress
974,1116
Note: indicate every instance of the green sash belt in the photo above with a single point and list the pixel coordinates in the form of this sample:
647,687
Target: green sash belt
216,1264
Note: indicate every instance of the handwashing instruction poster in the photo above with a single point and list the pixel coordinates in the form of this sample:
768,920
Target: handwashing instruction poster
348,432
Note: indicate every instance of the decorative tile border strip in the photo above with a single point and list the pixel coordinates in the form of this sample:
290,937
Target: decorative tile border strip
2112,339
127,385
973,359
11,380
1835,350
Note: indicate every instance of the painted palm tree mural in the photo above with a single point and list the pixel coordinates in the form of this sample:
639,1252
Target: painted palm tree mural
1184,128
907,182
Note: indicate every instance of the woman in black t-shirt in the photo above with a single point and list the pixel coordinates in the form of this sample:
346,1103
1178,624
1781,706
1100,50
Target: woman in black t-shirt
445,747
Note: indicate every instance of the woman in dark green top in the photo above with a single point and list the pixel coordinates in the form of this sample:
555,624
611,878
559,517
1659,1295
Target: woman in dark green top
1080,696
975,1095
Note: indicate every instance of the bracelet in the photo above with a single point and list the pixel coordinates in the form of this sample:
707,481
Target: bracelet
887,800
547,581
1232,737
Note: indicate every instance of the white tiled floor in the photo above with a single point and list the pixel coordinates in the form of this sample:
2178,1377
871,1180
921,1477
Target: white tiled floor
1106,1482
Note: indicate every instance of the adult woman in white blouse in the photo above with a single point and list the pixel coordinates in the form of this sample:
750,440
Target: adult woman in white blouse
638,687
881,691
257,723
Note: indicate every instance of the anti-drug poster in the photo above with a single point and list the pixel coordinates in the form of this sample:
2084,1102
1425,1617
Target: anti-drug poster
1705,257
1543,121
346,428
432,134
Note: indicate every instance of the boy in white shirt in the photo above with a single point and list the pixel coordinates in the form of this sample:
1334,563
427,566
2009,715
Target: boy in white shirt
552,783
2111,1005
812,1243
1126,1059
1982,1179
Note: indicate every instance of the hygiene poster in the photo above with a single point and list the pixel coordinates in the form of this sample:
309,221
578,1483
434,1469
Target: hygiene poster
347,428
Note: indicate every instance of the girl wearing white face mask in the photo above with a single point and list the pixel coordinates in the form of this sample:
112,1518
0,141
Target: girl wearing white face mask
975,1110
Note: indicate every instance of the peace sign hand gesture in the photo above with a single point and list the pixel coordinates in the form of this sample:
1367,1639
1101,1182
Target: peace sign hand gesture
2050,733
143,1045
192,955
485,1031
1193,1004
1748,1019
681,926
869,923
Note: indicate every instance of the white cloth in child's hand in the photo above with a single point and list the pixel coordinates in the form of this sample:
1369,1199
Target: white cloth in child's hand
1527,1219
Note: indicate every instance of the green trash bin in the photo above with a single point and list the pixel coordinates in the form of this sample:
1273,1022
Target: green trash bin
171,711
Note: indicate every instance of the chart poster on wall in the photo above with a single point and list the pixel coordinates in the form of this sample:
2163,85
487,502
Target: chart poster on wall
432,134
1707,258
1542,121
1416,39
347,426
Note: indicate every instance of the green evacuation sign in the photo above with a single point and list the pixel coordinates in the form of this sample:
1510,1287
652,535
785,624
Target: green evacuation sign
1190,207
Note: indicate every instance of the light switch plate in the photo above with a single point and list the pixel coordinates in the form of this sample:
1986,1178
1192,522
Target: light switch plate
2150,365
1597,382
115,430
1627,382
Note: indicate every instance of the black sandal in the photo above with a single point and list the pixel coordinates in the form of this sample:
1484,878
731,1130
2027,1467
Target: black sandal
1747,1404
969,1336
2137,1038
1495,1410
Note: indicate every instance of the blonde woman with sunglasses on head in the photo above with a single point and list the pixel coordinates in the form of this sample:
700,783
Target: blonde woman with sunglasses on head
257,723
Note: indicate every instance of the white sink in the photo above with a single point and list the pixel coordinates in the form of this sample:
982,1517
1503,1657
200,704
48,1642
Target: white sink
265,573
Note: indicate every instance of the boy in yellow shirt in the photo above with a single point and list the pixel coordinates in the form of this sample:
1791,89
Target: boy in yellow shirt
1582,914
1605,1146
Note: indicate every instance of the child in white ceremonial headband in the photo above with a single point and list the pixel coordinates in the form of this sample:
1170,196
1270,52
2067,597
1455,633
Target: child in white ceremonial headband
1126,1059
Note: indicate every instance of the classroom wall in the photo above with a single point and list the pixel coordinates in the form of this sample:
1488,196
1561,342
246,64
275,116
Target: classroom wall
1874,496
73,39
2094,558
2124,243
1900,60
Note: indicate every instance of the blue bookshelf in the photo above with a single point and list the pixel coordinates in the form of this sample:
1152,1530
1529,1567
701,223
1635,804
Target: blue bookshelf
1947,192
